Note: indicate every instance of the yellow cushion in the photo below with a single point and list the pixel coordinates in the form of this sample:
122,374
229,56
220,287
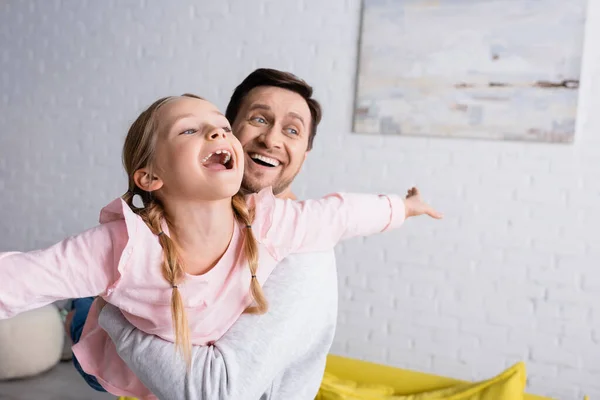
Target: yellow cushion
510,384
403,381
334,388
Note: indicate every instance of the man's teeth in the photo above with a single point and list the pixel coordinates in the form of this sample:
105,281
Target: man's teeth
227,156
268,160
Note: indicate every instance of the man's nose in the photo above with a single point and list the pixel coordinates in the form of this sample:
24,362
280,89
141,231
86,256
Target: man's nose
271,139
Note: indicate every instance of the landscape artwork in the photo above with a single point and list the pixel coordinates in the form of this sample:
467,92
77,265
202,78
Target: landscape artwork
485,69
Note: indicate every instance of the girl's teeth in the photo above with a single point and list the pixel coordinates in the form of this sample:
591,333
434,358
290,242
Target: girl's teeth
227,155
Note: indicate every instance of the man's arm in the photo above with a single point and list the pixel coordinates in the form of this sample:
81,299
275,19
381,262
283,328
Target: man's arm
255,351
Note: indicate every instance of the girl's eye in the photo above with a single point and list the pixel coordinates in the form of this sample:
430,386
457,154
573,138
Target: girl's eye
227,129
189,132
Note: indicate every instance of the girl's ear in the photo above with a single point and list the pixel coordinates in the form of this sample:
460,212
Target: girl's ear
146,181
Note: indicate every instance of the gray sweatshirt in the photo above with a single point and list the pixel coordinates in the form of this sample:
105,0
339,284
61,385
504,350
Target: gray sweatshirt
278,355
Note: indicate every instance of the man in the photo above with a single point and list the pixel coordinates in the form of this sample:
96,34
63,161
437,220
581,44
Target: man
279,355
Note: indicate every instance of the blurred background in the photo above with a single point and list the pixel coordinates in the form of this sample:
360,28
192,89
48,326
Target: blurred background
512,272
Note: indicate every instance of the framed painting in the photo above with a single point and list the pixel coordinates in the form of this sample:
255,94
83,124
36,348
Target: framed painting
487,69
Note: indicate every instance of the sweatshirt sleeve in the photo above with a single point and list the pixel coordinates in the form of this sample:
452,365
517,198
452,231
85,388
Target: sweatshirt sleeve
287,226
253,353
79,266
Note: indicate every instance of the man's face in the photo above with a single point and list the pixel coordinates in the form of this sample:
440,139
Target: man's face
273,126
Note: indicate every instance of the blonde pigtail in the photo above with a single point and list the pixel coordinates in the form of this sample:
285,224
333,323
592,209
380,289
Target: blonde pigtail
246,217
172,270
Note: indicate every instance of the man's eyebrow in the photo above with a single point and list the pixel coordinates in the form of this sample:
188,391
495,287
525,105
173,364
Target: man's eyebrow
259,106
297,116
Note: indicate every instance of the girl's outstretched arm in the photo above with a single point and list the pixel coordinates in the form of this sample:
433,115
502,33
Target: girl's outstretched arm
288,226
80,266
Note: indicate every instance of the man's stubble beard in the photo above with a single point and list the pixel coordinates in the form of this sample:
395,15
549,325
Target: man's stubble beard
279,185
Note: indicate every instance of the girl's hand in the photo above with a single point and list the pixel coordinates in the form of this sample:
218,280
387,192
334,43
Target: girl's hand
415,206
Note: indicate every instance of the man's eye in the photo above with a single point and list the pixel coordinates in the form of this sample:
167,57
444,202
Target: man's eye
292,131
189,132
260,120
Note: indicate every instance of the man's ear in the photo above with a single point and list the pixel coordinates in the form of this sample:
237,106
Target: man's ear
146,181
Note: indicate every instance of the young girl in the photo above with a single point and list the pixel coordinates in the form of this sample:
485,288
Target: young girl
192,249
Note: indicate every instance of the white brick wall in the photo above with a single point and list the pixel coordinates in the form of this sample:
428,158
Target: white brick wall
511,273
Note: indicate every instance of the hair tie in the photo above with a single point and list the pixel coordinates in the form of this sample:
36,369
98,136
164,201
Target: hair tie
248,226
174,286
160,233
253,276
